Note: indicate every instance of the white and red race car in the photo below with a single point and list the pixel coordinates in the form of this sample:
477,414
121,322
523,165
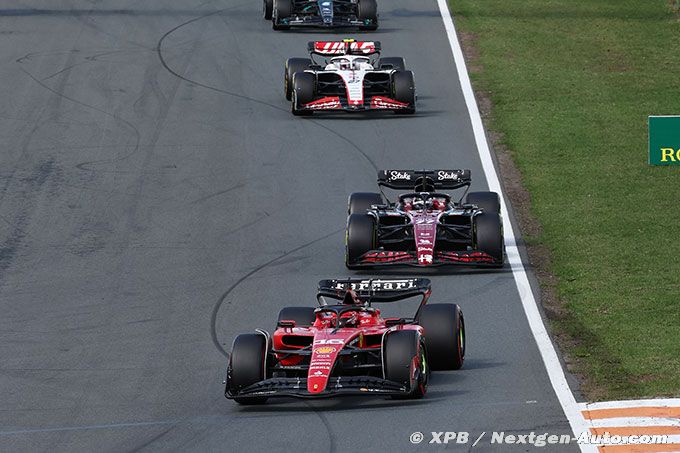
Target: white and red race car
352,77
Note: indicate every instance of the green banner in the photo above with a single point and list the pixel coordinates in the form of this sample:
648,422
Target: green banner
664,140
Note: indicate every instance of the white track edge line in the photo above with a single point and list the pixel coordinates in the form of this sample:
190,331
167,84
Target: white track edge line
660,402
634,422
551,361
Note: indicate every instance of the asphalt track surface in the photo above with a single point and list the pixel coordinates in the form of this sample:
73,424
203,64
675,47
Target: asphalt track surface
158,198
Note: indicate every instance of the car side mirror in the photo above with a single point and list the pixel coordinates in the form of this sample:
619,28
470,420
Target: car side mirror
286,323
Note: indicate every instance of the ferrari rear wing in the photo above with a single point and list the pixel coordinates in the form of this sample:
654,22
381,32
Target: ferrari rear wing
344,47
408,179
375,290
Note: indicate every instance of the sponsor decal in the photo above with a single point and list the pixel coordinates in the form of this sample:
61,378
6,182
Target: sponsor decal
664,140
379,285
329,341
394,175
325,350
444,175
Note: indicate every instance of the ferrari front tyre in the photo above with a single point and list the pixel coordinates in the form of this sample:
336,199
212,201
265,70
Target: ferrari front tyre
400,349
247,365
489,235
293,65
396,63
360,202
281,9
488,201
360,238
303,316
444,335
303,92
267,8
404,90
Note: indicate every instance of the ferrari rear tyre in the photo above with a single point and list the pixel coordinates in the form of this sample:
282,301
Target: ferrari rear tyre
396,63
293,65
304,87
360,238
488,201
399,350
444,335
367,10
267,8
404,90
282,9
303,316
360,202
489,235
247,365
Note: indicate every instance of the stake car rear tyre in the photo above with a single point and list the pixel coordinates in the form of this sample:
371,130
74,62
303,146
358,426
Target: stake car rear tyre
360,202
489,235
360,238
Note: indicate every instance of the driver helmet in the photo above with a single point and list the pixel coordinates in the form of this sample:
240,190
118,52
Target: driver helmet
439,204
342,64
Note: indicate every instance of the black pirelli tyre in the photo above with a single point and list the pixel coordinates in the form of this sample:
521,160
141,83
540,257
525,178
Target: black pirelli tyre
267,9
293,65
444,327
303,316
247,365
399,350
488,235
360,202
304,88
367,10
282,9
359,238
488,201
404,90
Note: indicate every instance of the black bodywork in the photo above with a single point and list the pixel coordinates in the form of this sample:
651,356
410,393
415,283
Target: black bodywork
325,14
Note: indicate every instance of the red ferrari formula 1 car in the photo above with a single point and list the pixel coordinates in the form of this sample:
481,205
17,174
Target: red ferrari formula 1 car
346,346
424,227
351,77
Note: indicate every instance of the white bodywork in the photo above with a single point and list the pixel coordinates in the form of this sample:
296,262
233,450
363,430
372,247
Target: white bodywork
352,69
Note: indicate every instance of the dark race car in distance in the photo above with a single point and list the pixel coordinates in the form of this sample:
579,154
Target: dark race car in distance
346,346
424,227
284,14
351,77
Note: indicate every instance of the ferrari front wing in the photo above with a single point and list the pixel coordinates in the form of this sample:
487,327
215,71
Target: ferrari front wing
297,387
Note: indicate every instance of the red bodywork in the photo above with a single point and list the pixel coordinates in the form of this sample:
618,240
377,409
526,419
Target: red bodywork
328,341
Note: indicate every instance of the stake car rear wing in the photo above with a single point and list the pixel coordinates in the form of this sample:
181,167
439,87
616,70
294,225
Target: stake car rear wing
375,290
408,179
345,47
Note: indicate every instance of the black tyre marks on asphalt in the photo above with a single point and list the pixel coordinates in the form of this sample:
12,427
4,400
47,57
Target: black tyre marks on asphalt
225,295
159,51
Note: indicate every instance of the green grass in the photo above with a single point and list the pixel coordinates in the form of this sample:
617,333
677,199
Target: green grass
572,83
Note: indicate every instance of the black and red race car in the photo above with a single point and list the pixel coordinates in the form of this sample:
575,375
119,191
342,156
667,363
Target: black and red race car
348,76
346,346
424,227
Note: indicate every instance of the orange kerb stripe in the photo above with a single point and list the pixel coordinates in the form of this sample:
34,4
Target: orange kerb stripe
667,448
669,412
636,430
